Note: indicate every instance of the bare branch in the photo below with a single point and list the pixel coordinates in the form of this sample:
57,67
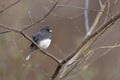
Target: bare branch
50,1
44,52
48,10
27,37
10,28
114,46
80,57
42,17
86,17
98,16
56,72
104,26
86,40
4,32
4,9
61,5
29,14
101,4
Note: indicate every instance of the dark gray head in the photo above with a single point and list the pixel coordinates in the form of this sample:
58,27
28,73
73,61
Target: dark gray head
46,28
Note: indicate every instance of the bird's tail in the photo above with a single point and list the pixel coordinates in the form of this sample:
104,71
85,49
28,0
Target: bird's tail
29,54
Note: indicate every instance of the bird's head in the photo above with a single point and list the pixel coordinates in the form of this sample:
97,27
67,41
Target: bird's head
46,28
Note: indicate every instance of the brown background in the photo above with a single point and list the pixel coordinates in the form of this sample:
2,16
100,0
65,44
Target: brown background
67,23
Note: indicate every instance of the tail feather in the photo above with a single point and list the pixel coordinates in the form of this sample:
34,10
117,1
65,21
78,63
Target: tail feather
29,54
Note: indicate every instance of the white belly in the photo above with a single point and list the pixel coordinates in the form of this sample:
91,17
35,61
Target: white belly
44,44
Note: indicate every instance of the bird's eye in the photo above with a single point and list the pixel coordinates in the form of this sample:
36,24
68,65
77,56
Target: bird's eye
49,30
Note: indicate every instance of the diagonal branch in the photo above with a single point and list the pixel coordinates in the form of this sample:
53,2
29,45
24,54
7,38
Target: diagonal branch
42,17
83,43
4,32
1,11
104,26
27,37
98,16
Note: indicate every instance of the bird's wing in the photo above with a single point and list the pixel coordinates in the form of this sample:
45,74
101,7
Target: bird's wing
36,36
39,36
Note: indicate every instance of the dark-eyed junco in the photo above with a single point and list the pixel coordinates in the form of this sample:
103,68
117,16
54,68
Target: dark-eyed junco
42,38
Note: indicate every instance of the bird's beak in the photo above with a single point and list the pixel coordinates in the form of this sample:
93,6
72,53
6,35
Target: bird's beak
50,31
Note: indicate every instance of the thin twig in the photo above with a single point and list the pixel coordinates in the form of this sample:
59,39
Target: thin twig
108,12
30,17
4,9
98,16
42,17
114,46
50,1
71,6
86,17
10,28
4,32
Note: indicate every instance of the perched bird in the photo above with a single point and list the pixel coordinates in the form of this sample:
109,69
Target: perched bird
42,38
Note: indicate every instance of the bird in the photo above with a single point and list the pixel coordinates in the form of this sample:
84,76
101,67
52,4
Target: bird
42,38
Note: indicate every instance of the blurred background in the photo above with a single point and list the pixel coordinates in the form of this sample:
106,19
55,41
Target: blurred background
67,23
